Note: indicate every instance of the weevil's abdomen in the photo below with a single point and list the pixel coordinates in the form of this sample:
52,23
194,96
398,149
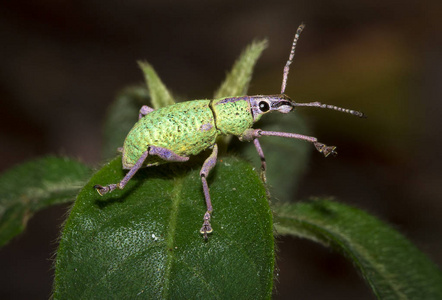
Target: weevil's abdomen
233,115
186,128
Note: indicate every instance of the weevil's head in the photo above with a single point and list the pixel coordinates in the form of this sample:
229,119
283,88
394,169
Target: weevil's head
260,105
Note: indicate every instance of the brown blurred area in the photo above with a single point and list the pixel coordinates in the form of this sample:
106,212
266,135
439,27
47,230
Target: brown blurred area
62,62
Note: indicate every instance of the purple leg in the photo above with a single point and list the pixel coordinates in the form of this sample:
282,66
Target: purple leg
163,153
167,154
109,188
144,110
205,170
263,159
251,134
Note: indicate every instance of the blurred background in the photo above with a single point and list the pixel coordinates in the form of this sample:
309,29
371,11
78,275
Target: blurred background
62,63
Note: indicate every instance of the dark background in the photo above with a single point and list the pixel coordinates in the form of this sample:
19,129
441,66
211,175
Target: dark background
62,62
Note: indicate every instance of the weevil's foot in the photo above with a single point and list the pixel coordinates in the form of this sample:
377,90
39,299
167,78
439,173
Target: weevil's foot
101,189
326,150
105,189
207,228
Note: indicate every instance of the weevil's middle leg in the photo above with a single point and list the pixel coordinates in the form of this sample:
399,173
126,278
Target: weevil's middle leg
208,165
251,134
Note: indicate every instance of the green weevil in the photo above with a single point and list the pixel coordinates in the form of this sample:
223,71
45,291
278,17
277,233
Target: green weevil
175,132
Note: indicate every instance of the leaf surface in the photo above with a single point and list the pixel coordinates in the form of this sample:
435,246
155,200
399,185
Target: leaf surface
35,185
144,241
392,266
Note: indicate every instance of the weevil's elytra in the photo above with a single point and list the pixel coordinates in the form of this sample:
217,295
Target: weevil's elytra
186,128
175,132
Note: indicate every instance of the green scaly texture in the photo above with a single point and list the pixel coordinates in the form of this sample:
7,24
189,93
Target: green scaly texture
233,115
186,128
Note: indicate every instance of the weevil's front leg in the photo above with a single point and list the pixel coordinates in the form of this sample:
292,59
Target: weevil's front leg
163,153
251,134
263,159
144,110
205,170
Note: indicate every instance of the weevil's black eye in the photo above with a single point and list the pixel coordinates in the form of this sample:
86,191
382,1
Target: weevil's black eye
264,106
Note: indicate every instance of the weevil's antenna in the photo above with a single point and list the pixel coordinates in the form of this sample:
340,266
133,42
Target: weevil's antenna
292,55
344,110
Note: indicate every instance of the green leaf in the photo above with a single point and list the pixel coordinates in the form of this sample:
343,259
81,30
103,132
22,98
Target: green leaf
392,266
237,81
161,97
35,185
121,117
144,240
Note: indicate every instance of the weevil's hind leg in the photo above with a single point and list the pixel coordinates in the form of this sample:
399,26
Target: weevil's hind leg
144,110
109,188
208,165
251,134
263,159
163,153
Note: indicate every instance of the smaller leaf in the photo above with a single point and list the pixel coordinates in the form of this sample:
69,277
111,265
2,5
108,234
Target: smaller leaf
161,97
121,117
237,81
392,266
36,185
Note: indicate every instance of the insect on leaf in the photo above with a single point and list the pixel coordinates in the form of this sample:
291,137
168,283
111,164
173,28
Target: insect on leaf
144,241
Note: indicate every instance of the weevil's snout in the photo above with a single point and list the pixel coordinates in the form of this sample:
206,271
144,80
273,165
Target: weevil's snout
261,105
283,104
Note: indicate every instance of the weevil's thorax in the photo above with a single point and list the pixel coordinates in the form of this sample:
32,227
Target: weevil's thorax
232,115
236,114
